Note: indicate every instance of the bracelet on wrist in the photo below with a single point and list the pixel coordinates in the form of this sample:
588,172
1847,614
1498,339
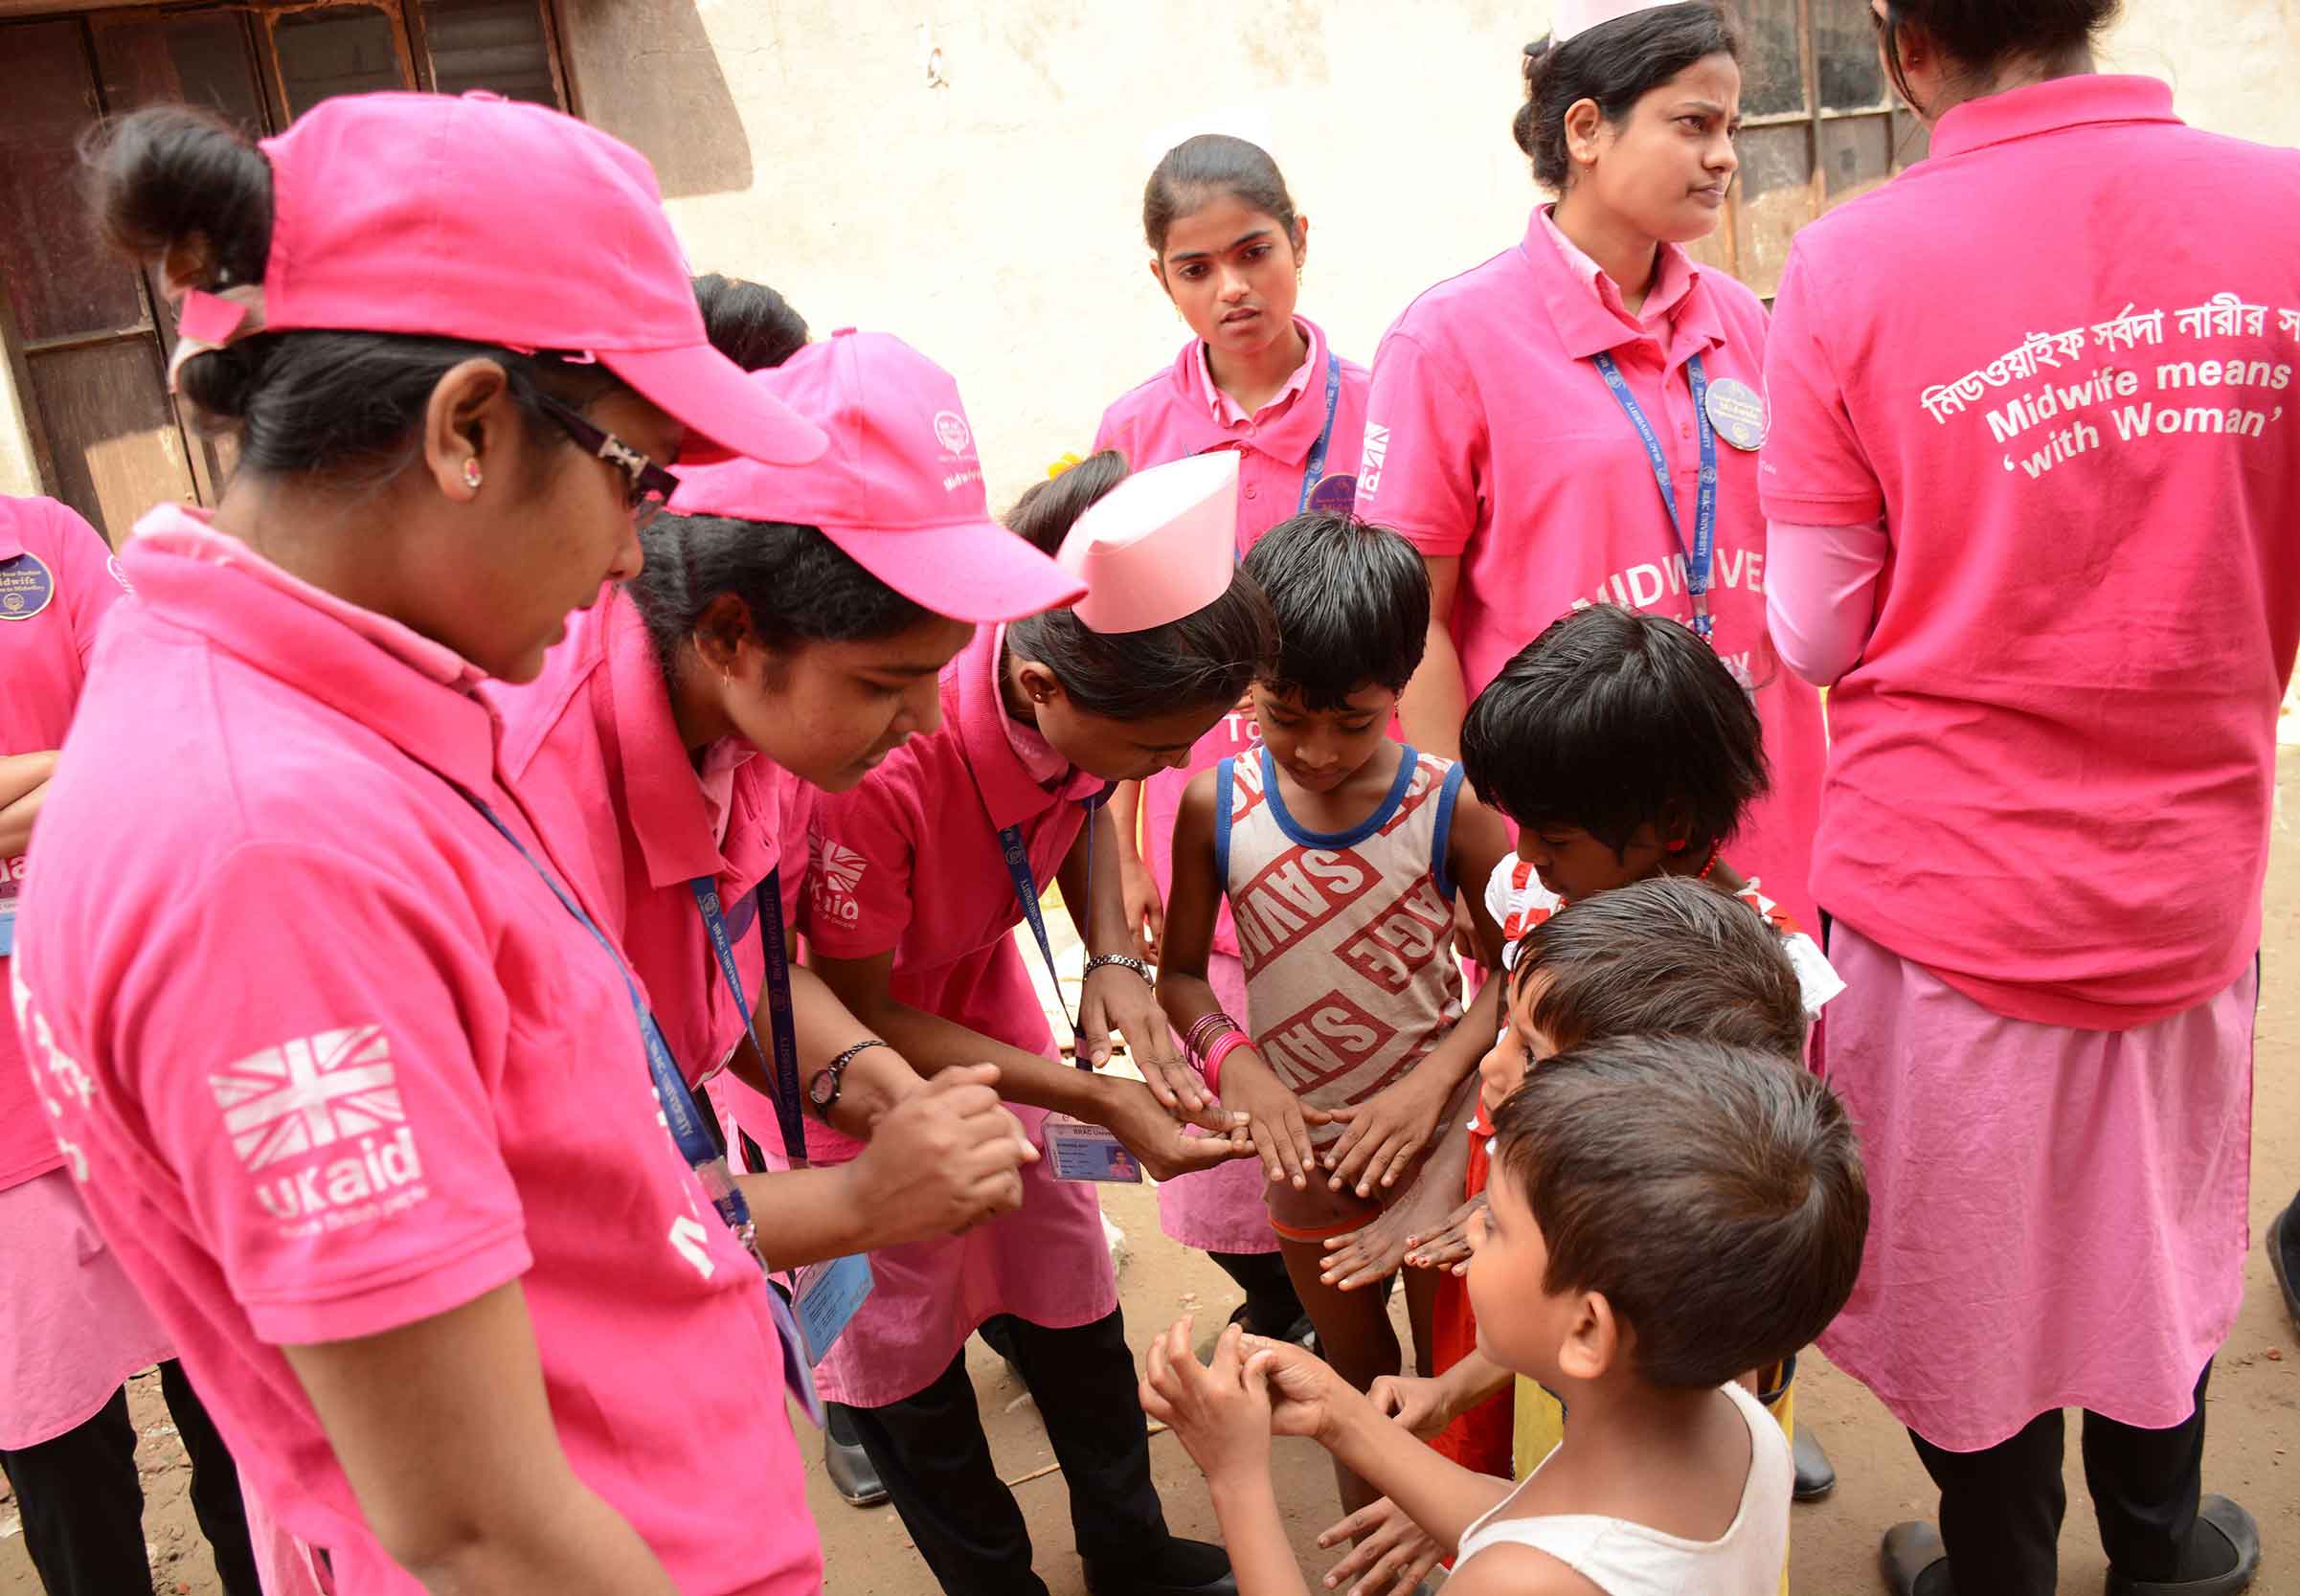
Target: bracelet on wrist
1205,1032
1227,1044
1125,961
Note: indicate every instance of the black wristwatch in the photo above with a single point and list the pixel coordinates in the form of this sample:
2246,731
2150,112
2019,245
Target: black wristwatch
823,1092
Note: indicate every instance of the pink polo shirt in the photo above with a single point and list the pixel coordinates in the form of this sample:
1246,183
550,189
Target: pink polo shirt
330,1059
1492,437
1179,413
2084,439
909,863
56,584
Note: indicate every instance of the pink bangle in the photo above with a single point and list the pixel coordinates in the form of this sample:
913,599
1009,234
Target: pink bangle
1222,1047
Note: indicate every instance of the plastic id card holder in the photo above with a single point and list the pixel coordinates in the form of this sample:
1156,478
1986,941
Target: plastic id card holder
1083,1152
826,1296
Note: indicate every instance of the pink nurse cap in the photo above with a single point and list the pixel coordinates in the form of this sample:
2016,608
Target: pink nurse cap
1160,546
1579,17
475,217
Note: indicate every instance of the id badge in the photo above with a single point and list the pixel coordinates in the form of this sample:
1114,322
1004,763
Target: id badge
828,1294
7,927
1083,1152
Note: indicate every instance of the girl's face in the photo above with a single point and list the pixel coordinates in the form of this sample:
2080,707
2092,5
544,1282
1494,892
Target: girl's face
1666,168
1321,749
1233,273
829,713
1520,1046
1575,866
1114,750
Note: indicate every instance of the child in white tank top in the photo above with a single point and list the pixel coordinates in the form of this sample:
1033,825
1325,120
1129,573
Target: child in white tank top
1624,1171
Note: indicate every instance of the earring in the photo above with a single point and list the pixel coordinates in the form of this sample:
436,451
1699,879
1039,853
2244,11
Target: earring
472,475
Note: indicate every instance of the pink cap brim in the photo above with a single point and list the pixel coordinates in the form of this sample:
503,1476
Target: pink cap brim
725,412
976,571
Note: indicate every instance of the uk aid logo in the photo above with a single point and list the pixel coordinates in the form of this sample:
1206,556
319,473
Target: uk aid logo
331,1102
838,871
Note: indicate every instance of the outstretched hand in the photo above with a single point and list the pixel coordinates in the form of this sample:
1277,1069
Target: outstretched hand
1221,1411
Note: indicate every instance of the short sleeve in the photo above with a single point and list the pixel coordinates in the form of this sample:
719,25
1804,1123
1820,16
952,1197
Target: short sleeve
864,847
302,1052
1425,442
87,575
1815,471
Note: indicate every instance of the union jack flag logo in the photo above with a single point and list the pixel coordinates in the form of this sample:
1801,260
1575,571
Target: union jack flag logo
308,1094
840,867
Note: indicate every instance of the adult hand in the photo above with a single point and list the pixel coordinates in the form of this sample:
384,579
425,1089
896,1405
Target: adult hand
1387,1133
1117,998
944,1158
1222,1413
1279,1121
1145,910
1424,1406
1393,1555
1448,1246
1155,1137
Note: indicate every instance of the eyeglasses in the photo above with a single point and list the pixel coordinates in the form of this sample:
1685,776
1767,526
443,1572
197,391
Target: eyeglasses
650,486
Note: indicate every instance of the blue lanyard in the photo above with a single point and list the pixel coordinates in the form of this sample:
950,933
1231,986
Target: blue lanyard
678,1105
1333,401
1698,558
785,1056
1017,853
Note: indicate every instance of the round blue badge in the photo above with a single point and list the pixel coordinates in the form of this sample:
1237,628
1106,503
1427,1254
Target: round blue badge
1737,410
1334,495
26,587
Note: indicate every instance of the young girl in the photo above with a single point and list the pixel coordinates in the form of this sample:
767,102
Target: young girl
1228,249
356,1088
1337,850
780,640
1624,1171
921,875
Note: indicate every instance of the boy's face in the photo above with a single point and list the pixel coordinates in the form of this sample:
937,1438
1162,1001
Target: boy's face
1521,1045
1521,1325
1320,749
1575,866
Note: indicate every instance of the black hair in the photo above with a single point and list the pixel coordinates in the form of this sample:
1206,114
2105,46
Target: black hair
1612,719
1205,657
1664,956
345,404
1352,602
1980,35
1198,169
1713,1195
1616,64
748,322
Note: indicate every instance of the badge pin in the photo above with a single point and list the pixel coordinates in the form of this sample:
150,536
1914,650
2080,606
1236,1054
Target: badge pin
1738,413
1335,495
26,587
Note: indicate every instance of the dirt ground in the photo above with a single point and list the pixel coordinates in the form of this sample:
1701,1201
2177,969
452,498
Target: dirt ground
2251,1446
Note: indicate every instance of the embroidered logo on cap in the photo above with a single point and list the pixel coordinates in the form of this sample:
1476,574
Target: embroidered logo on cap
952,432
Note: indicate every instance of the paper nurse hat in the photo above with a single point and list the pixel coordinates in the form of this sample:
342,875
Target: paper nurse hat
1160,546
1579,17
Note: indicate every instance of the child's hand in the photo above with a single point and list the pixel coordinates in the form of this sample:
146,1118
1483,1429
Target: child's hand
1448,1246
1424,1406
1387,1133
1391,1557
1279,1121
1222,1413
1302,1387
1371,1253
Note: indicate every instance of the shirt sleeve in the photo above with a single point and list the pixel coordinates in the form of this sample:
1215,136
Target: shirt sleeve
302,1052
1821,595
87,573
1815,471
1422,467
860,867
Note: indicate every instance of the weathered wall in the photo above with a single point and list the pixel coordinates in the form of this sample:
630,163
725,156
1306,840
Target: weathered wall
2231,63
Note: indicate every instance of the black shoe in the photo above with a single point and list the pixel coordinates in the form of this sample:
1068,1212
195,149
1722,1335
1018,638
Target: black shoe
2224,1549
852,1474
1915,1561
1183,1569
2284,1257
1816,1477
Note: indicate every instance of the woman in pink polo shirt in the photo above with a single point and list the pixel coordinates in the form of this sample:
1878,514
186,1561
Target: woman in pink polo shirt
786,635
1526,414
2033,481
356,1088
921,875
1228,249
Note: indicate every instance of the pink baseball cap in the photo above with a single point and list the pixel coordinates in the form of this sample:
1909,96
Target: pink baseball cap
1579,17
1160,546
478,217
900,487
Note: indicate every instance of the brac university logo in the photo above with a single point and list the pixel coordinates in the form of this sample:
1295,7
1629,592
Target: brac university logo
331,1094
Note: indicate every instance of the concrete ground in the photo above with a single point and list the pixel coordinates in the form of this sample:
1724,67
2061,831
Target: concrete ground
2250,1455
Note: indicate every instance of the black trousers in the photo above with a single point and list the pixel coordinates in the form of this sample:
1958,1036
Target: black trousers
1272,1305
82,1503
932,1453
2001,1509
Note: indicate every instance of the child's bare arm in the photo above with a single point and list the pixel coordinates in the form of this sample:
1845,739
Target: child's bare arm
1183,990
1221,1414
1478,841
